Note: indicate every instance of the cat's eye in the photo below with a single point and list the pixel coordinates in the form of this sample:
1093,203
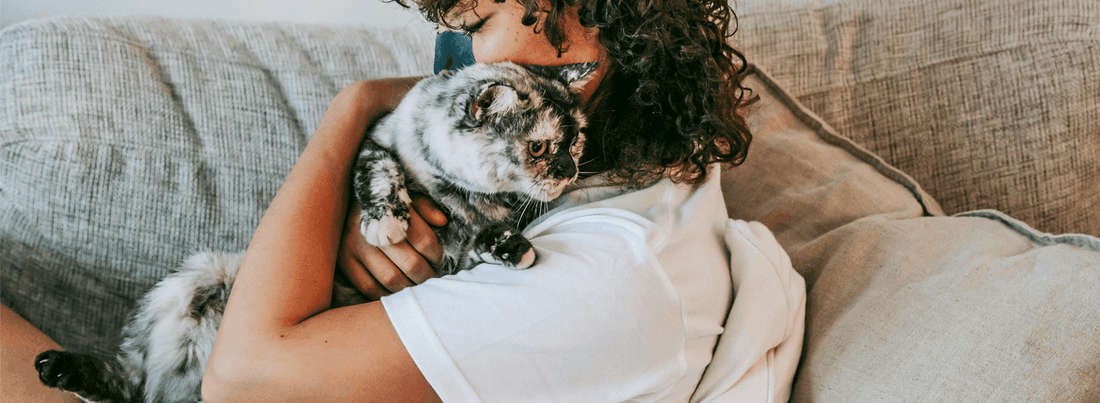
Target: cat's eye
538,148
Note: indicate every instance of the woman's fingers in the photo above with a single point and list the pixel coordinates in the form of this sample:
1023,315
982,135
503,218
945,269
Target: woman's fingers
382,271
412,254
422,238
428,210
360,278
412,265
370,270
387,272
356,256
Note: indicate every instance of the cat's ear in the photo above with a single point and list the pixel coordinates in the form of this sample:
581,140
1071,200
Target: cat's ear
574,76
493,100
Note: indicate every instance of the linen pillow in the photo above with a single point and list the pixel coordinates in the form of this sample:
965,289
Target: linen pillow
128,143
904,303
988,104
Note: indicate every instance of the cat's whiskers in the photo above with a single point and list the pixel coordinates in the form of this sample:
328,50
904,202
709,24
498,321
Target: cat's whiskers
528,200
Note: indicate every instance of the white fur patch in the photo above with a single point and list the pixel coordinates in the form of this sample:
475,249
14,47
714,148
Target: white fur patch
527,260
505,99
488,258
385,231
403,195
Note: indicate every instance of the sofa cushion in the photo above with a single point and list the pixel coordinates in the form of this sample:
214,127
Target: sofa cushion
906,304
127,144
989,105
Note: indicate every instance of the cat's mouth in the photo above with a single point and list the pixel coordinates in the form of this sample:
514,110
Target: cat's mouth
550,189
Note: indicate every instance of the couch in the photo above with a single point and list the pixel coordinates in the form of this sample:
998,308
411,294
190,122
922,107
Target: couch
929,166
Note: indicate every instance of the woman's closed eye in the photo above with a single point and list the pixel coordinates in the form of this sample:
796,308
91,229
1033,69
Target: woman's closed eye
471,29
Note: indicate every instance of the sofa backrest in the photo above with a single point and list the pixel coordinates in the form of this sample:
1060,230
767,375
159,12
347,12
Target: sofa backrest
987,104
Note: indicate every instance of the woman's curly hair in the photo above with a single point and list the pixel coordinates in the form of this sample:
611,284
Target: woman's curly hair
670,102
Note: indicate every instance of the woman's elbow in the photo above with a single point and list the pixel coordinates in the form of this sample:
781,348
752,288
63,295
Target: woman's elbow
214,385
224,381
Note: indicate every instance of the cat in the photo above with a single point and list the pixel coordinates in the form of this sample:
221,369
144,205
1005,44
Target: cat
490,144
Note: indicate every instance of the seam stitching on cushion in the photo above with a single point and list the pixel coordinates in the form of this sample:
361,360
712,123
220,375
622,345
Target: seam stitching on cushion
1082,241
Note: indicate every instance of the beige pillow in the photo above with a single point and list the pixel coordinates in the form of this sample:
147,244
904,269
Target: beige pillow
988,104
904,303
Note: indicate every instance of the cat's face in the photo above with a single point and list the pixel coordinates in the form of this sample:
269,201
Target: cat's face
518,128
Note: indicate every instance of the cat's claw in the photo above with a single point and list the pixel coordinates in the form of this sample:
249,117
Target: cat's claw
505,247
384,231
58,369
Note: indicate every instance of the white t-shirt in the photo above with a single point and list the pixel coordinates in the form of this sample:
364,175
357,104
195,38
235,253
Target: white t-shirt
625,303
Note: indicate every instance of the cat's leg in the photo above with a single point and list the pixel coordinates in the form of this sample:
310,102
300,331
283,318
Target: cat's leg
379,186
90,378
503,244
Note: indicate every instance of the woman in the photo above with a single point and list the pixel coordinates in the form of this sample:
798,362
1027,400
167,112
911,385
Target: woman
631,289
632,285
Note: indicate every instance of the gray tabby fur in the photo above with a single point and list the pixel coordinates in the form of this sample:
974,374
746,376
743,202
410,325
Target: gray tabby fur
464,138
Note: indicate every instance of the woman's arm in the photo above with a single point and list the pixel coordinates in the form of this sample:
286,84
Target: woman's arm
278,341
20,343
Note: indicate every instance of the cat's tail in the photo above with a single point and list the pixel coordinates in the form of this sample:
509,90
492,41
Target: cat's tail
168,342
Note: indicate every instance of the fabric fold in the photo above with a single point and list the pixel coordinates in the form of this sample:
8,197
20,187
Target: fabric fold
758,353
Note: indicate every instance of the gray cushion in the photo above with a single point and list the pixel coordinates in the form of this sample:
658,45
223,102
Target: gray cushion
126,144
906,304
987,104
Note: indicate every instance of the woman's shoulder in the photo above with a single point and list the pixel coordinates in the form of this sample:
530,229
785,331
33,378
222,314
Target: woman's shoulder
648,215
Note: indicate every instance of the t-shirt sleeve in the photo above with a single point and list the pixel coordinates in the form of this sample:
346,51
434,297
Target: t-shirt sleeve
595,319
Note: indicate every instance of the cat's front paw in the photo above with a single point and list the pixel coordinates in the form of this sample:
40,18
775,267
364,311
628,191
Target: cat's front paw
62,370
505,246
383,231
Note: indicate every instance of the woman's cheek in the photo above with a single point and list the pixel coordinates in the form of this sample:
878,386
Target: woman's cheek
498,48
517,45
484,51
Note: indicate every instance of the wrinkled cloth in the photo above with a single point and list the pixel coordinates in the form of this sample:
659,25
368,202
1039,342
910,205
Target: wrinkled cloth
758,353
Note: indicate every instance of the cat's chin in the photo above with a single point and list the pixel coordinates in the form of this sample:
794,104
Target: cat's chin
542,196
551,194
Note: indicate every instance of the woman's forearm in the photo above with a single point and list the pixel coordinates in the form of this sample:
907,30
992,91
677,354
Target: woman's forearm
288,269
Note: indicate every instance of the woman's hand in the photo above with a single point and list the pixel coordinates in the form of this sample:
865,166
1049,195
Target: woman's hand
383,271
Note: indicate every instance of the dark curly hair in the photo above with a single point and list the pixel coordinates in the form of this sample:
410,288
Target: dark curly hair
670,101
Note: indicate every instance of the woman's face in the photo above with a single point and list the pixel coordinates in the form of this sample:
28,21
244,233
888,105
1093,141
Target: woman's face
499,35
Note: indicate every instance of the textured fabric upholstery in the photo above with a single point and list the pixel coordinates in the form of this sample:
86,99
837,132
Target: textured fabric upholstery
907,304
987,104
126,144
